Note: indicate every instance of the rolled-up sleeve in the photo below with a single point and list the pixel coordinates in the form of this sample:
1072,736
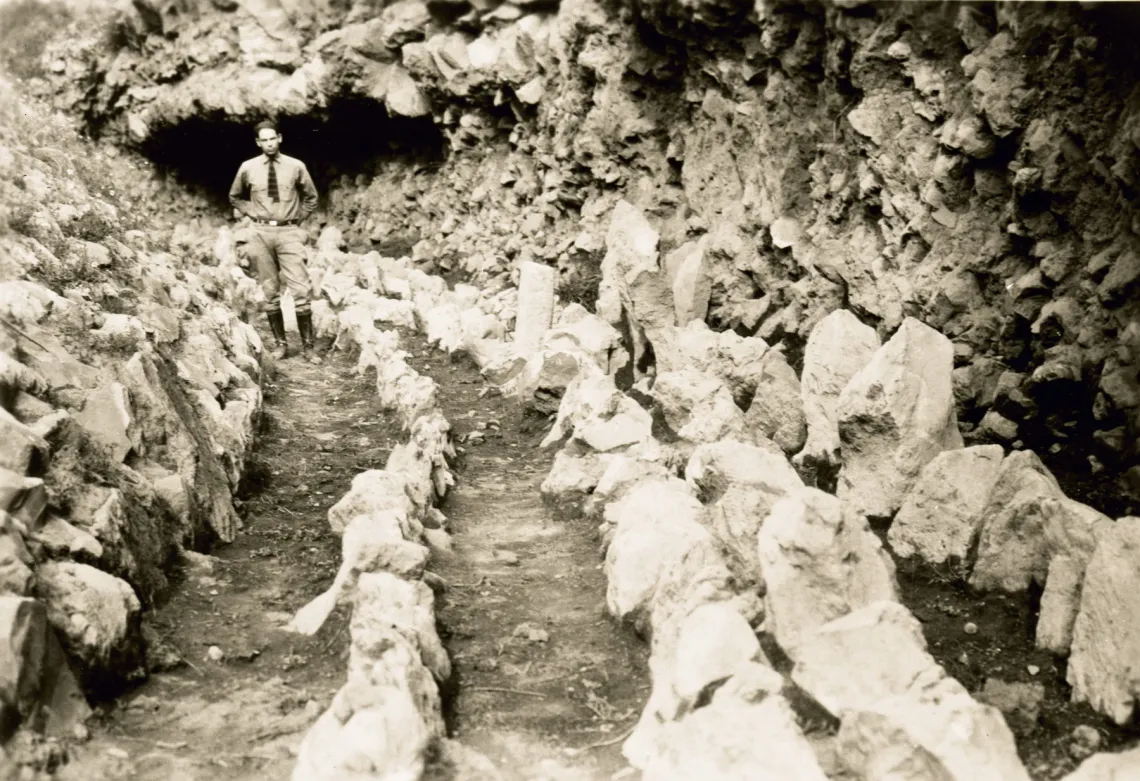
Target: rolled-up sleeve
308,192
239,191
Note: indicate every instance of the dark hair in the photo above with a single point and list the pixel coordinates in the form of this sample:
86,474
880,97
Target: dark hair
266,125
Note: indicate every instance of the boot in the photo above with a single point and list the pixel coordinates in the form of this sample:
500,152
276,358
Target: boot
280,349
305,326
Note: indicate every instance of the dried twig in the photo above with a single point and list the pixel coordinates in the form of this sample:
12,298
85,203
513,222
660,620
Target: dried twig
503,690
610,742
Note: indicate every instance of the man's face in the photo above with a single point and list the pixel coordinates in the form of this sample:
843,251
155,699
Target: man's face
269,141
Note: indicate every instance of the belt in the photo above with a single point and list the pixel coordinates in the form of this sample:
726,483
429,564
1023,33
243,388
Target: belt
275,223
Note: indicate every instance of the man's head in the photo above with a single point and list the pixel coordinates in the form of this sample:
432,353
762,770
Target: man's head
268,139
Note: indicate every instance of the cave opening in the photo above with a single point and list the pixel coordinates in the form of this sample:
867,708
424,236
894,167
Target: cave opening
350,136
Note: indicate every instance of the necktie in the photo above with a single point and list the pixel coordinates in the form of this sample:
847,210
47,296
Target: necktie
273,183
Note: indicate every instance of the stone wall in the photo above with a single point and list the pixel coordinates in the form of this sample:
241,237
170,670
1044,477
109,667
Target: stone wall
129,395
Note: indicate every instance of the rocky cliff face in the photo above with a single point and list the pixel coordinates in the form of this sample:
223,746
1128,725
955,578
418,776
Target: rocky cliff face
972,166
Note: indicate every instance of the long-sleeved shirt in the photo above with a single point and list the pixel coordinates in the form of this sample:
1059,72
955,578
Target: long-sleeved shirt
297,195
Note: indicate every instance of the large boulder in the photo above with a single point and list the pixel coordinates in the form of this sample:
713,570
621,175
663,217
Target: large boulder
739,484
579,331
855,660
895,415
657,530
390,611
941,733
1124,766
940,518
96,616
697,406
747,731
837,348
1106,635
571,480
820,561
736,360
379,724
1029,521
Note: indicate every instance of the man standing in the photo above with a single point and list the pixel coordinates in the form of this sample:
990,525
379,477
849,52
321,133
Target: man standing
277,193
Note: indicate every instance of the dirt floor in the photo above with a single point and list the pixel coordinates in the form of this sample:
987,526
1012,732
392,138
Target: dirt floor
543,677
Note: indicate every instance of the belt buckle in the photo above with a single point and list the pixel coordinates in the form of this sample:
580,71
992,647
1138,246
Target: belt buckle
273,223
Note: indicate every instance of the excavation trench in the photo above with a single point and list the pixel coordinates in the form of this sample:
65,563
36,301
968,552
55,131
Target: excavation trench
543,680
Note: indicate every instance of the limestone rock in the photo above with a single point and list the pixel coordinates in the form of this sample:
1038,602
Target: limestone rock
579,331
389,609
710,644
697,406
96,615
739,484
572,478
940,517
734,738
1028,521
895,415
621,424
624,471
379,724
1060,602
23,641
1123,766
692,284
23,498
544,379
777,410
657,529
820,561
942,734
21,449
855,660
838,347
536,306
15,560
1106,635
374,491
737,360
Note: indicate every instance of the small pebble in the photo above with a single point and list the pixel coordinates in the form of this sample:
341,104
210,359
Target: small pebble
118,753
970,628
1033,669
1085,741
81,732
215,654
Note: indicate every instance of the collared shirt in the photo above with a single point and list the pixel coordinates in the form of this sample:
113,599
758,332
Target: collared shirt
297,195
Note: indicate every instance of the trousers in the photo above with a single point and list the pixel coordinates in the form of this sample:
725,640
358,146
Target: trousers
278,254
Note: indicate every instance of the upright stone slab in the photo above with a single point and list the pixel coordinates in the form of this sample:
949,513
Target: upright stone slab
536,306
895,415
1106,635
837,348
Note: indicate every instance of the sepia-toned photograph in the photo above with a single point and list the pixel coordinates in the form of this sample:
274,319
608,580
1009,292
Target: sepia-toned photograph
569,390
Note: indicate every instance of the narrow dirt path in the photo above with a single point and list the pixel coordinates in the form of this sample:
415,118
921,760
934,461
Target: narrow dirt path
242,717
541,671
